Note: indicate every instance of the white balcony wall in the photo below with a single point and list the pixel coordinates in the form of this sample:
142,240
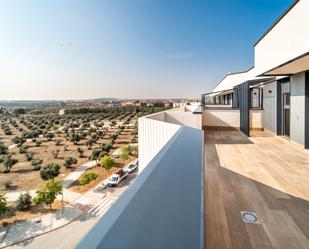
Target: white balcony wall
184,118
287,40
221,118
152,136
154,131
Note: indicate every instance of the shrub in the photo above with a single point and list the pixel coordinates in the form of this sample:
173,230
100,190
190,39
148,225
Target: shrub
57,143
23,202
38,143
87,177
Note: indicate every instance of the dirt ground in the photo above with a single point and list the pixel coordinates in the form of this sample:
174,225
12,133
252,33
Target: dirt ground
15,216
22,175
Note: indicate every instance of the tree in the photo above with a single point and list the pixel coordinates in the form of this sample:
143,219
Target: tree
89,143
50,171
8,163
75,138
34,135
19,111
49,136
3,149
23,202
126,149
38,143
19,141
29,156
37,164
69,161
3,204
48,192
107,162
55,153
134,150
23,149
65,147
80,151
124,156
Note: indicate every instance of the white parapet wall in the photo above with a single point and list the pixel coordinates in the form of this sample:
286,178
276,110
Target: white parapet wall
154,131
184,118
230,118
152,136
221,118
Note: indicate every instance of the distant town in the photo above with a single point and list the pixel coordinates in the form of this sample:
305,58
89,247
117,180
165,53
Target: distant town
62,106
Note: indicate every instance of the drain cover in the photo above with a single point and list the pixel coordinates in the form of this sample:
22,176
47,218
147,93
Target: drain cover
249,217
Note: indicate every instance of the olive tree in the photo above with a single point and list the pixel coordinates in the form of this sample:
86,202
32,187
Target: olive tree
50,171
8,163
3,204
69,161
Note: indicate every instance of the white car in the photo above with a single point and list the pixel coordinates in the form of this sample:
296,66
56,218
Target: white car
114,179
131,167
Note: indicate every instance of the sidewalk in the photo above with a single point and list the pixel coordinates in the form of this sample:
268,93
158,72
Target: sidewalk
31,228
71,178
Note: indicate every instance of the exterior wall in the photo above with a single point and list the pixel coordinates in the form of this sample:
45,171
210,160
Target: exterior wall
221,118
269,106
297,131
184,118
257,120
285,41
152,136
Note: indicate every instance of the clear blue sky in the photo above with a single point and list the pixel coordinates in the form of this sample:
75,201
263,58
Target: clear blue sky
74,49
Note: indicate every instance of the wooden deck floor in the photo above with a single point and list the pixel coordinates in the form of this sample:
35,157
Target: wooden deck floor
262,174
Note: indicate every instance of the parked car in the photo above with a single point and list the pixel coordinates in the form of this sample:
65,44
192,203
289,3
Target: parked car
131,167
115,179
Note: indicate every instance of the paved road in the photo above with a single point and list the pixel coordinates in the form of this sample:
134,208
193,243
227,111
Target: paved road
69,236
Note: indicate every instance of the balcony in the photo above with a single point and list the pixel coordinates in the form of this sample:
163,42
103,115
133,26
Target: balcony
163,208
262,174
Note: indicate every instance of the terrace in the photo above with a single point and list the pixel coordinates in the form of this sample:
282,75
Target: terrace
263,174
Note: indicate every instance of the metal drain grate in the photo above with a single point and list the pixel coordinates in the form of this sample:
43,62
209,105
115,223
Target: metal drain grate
249,217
